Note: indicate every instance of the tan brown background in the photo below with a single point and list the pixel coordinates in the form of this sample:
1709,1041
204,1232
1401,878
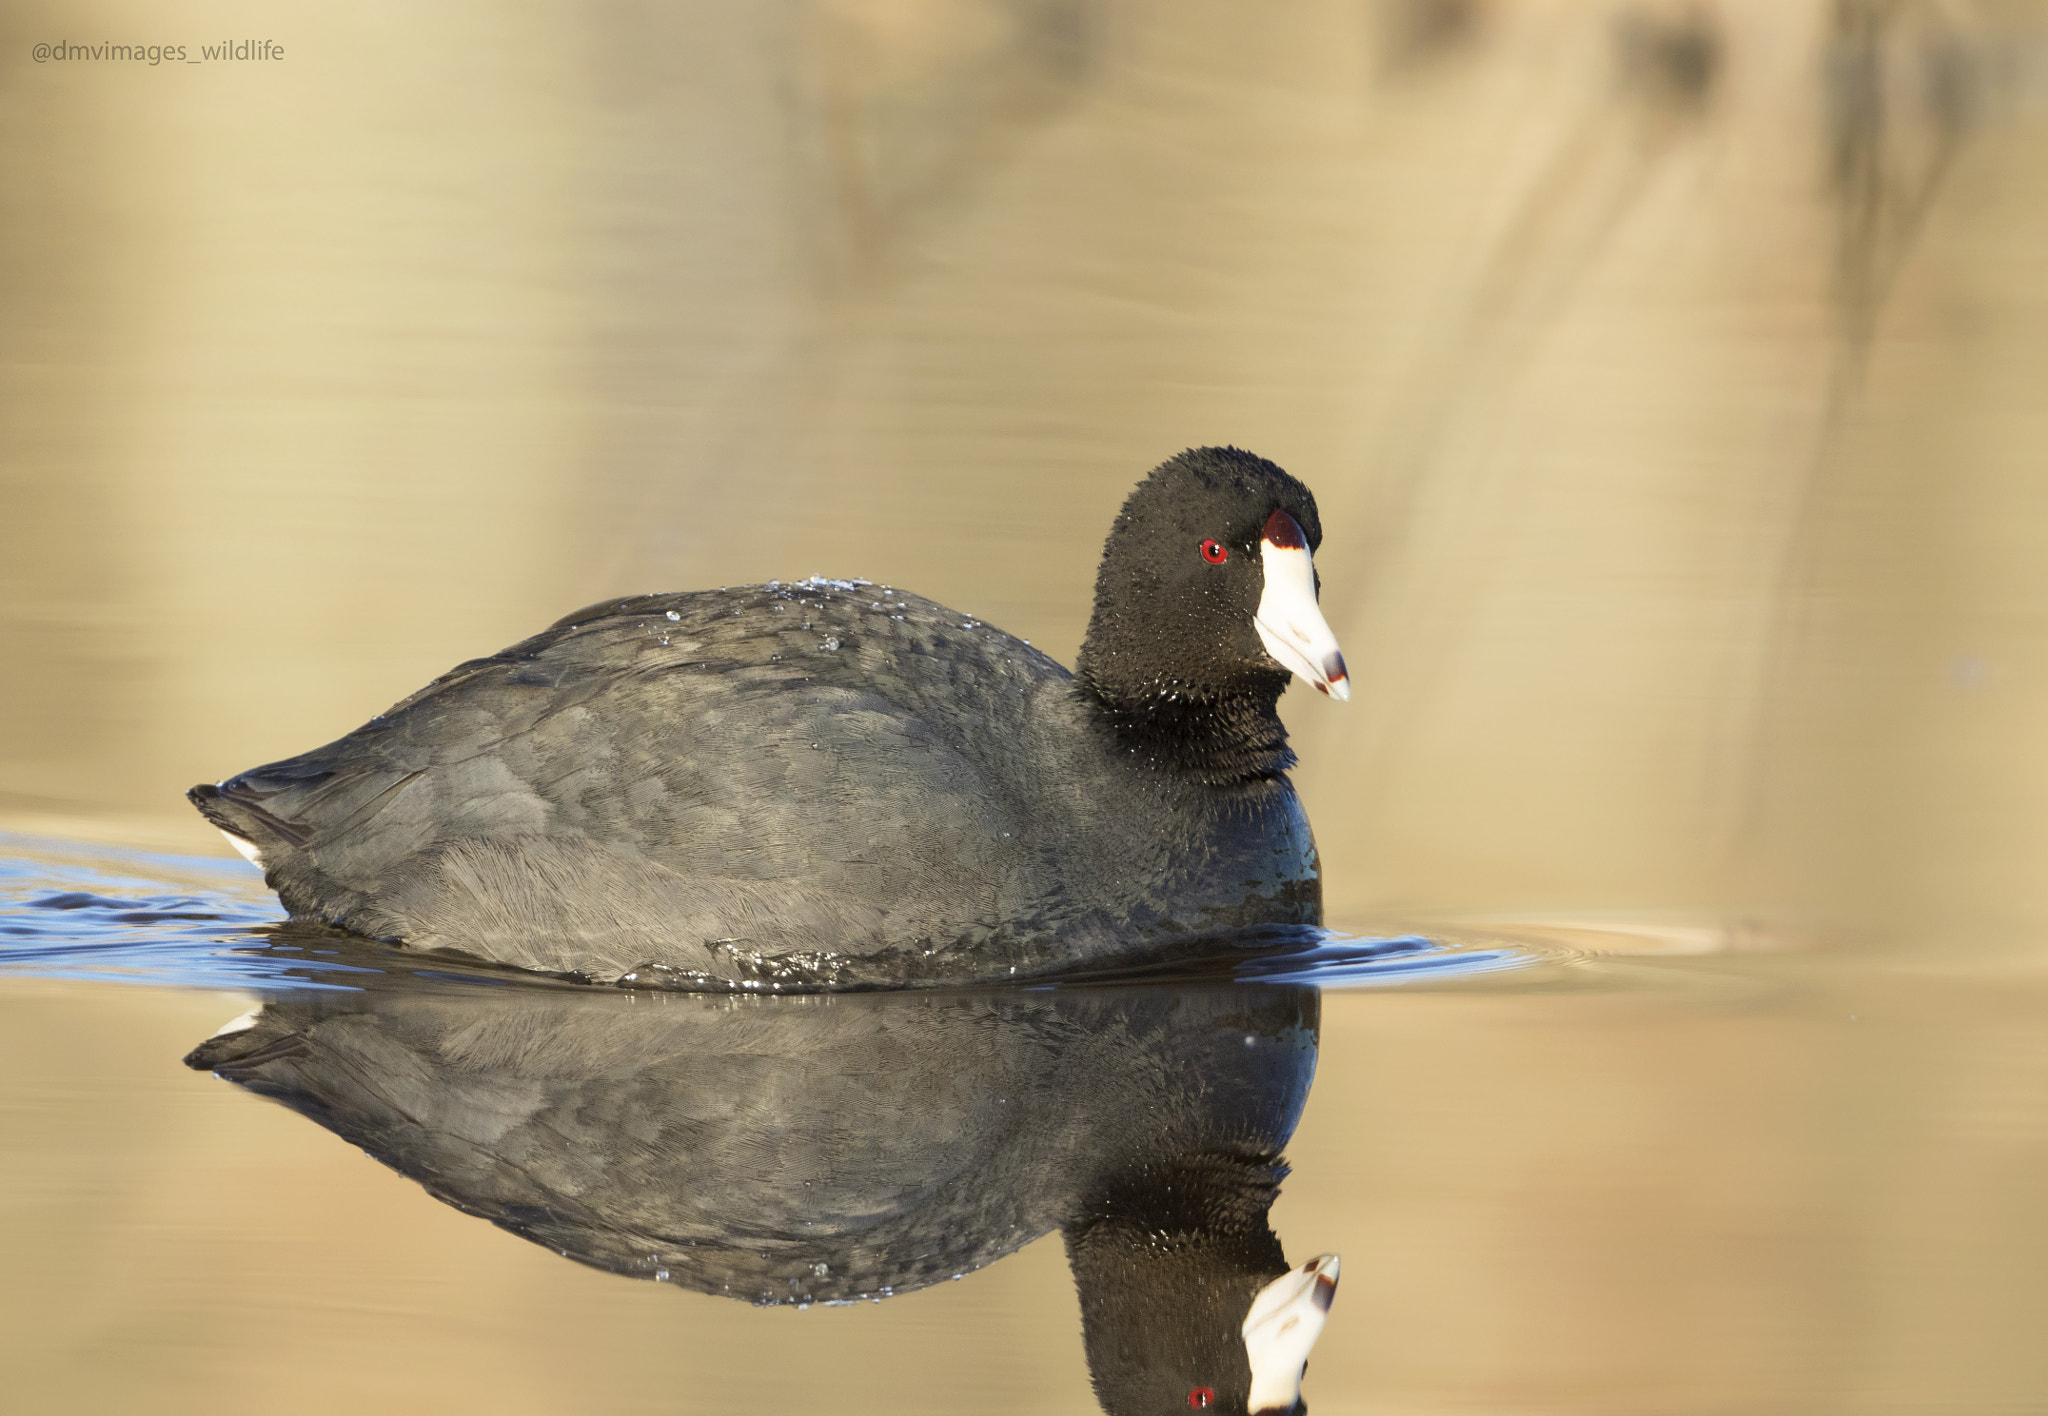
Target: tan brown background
1671,376
1674,378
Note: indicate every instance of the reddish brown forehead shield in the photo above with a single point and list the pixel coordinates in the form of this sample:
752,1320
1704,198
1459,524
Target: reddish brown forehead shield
1289,621
1283,533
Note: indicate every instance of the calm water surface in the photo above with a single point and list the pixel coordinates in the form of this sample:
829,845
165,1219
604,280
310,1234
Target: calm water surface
1560,1180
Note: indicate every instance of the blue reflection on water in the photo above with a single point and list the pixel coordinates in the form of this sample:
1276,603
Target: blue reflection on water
79,912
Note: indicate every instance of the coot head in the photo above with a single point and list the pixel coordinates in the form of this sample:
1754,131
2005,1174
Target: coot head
1187,1302
1207,590
1230,1346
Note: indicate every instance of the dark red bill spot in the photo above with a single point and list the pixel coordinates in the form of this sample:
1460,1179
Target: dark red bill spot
1283,533
1324,1292
1201,1397
1215,552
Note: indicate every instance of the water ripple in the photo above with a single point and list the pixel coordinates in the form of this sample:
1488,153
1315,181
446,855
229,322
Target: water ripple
80,912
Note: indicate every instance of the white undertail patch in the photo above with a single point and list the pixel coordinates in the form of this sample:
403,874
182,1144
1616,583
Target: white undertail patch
246,849
235,1025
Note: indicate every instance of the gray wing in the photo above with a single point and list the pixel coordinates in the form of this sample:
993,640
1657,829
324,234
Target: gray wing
765,779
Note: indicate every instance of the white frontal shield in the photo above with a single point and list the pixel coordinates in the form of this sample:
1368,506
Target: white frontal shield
1284,1322
1289,621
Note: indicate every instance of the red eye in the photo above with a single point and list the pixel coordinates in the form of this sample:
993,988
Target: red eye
1214,552
1201,1397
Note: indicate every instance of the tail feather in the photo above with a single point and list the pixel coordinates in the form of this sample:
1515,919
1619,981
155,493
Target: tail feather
238,811
239,1050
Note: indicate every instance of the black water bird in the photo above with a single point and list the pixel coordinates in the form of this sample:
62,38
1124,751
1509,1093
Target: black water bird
841,1148
832,784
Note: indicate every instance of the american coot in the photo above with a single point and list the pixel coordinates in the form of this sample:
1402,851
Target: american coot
834,784
835,1149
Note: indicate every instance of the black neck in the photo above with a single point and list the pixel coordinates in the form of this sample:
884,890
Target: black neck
1216,736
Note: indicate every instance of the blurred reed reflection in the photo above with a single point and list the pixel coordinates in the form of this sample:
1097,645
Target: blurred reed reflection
1668,372
836,1149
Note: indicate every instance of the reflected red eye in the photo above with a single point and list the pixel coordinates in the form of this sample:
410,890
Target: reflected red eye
1201,1396
1214,552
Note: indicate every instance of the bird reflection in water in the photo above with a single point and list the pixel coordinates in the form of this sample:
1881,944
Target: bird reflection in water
839,1148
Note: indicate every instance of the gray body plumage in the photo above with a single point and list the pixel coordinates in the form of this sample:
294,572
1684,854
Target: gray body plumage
813,785
792,1150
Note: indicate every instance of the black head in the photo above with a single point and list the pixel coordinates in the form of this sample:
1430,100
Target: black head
1204,604
1187,1302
